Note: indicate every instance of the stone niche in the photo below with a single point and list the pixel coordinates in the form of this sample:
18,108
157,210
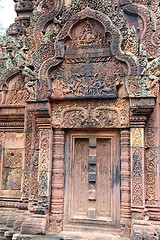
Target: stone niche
12,156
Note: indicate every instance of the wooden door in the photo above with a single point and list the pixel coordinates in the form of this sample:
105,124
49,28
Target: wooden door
92,180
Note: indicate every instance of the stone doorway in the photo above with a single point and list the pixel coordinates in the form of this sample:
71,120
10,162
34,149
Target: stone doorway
92,180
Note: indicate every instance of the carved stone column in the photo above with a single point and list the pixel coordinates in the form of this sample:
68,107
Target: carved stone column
125,183
56,217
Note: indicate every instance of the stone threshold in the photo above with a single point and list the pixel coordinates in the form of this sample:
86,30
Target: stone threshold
79,236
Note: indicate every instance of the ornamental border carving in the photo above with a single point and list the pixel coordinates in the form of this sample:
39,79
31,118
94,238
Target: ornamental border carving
91,114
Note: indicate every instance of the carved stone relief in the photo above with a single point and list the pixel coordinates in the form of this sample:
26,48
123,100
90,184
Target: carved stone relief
89,69
12,89
137,169
145,16
89,38
151,156
44,162
12,161
96,114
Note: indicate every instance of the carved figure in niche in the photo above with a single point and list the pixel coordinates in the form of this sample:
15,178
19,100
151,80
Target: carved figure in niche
87,33
21,57
16,94
30,83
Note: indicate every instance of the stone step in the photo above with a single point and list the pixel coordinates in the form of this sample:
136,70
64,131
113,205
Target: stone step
78,236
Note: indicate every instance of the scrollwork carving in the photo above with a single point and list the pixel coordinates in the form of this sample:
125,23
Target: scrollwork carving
97,114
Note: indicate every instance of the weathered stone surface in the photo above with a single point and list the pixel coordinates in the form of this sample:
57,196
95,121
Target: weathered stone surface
87,69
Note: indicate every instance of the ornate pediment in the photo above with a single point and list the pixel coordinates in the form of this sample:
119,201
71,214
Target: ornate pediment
89,69
89,61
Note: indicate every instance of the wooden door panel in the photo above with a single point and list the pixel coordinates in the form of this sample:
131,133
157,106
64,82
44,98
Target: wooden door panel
92,196
80,178
104,179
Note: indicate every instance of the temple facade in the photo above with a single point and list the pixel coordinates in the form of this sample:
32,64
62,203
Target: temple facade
80,118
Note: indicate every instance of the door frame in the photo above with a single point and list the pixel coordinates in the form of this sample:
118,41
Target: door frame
68,222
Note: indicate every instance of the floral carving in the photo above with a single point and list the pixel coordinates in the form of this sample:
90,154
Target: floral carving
137,191
44,162
93,114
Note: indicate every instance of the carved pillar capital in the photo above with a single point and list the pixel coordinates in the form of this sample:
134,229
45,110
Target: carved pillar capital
140,109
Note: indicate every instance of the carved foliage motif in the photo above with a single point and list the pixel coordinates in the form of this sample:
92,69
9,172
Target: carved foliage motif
151,155
44,157
92,114
137,137
1,149
137,191
137,155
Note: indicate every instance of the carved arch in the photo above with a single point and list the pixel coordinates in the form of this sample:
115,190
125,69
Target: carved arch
44,19
131,83
150,32
12,93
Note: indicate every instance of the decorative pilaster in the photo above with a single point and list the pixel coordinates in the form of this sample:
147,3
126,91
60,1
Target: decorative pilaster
56,217
40,152
1,157
38,222
137,172
125,183
140,112
27,154
45,164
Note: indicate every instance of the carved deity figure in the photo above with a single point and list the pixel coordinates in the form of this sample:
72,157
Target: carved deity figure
30,83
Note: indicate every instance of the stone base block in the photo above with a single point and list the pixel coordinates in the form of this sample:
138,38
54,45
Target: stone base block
5,213
13,217
142,229
19,236
35,224
21,218
2,231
